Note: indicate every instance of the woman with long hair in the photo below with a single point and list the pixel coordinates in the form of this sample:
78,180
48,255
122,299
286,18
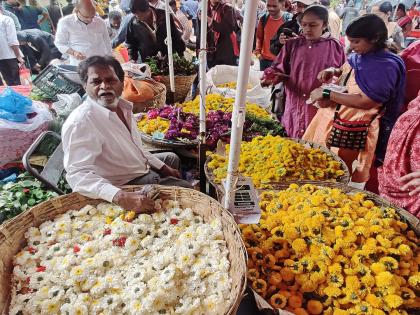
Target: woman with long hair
298,64
350,122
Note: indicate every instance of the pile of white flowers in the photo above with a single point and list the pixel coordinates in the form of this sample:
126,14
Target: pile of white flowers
95,261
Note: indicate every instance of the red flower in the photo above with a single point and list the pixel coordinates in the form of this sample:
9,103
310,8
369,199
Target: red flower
107,232
28,280
174,221
76,249
25,190
120,242
32,250
41,269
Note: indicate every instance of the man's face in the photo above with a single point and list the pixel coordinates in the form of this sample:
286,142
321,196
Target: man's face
142,16
300,7
115,23
104,86
274,7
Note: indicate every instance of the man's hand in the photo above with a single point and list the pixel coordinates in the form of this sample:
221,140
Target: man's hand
412,183
78,55
134,201
21,61
167,171
37,67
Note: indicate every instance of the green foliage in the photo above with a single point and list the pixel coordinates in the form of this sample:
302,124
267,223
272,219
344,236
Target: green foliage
24,194
160,66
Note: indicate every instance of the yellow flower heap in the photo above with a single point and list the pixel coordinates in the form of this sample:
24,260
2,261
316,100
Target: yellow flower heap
149,126
274,159
232,85
219,102
322,251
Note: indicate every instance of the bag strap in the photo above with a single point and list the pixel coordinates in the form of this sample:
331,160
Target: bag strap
337,108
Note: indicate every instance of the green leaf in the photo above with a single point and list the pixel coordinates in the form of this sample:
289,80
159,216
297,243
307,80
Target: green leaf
39,194
26,183
19,194
31,202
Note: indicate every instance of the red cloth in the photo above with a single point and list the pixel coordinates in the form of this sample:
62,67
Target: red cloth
265,34
411,57
402,157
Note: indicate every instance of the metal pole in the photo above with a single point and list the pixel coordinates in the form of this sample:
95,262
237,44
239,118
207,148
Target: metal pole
239,109
169,43
202,57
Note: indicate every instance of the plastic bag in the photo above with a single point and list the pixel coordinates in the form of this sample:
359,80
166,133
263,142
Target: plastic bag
137,71
66,104
14,106
224,74
25,76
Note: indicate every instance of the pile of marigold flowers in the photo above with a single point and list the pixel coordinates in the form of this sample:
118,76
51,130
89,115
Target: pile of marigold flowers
318,250
272,159
216,102
232,85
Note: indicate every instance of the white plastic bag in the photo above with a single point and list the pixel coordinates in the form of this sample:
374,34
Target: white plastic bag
138,70
224,74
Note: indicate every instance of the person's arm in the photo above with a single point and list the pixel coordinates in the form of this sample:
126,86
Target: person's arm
228,22
177,41
62,38
352,100
122,32
260,38
411,182
105,38
131,43
12,41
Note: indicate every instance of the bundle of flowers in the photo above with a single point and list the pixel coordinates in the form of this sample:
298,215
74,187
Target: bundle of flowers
175,124
272,159
225,104
322,251
103,260
232,85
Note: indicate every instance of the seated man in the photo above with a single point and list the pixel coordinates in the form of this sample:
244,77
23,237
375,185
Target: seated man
102,147
39,47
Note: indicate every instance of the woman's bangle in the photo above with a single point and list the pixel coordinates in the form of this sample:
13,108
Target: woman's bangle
326,93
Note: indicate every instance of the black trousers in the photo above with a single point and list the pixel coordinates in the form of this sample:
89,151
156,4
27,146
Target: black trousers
9,69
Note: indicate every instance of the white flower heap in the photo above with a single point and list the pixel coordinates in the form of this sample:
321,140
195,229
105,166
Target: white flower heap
101,261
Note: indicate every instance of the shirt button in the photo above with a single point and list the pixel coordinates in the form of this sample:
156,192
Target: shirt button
304,95
310,47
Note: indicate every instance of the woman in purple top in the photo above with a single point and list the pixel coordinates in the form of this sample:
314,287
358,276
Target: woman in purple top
298,64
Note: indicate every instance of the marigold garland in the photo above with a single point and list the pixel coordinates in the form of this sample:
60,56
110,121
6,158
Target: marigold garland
318,250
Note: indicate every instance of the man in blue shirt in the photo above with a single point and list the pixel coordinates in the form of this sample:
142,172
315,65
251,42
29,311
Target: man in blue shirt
190,8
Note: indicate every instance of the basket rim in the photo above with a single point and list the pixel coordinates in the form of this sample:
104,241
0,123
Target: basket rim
175,191
345,179
167,143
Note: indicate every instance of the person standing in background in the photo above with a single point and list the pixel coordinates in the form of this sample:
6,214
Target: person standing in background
113,23
68,9
400,12
334,21
190,8
348,14
12,16
267,27
28,15
55,12
183,19
384,11
10,56
83,34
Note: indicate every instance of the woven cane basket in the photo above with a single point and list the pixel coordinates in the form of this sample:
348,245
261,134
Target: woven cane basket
167,144
12,234
343,179
159,100
412,221
183,86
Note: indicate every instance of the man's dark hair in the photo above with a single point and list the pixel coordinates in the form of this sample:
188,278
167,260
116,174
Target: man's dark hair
370,27
401,7
325,3
101,61
385,7
114,15
139,6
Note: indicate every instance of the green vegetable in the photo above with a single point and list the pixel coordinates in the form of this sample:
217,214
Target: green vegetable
160,66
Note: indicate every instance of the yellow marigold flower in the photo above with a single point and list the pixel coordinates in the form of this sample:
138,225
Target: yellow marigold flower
332,291
338,311
377,268
368,280
414,281
373,300
405,250
335,280
393,300
390,263
352,283
377,311
299,245
384,279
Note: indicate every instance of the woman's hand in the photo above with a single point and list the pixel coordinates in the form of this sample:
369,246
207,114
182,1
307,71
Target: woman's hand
271,77
325,76
316,95
411,183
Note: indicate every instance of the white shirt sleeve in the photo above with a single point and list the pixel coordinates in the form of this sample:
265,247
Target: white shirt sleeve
106,39
62,37
11,36
81,148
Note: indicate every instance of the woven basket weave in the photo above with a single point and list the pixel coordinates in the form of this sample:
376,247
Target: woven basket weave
183,86
12,234
345,179
159,100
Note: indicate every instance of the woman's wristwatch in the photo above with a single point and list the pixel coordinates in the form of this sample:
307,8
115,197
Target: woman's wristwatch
326,93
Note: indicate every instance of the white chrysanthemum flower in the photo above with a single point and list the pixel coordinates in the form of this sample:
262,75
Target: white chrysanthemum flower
50,306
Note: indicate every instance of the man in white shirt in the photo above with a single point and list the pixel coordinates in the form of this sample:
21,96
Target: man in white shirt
102,146
82,34
10,56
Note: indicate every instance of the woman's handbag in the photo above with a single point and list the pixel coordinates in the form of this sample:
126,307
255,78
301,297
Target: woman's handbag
347,134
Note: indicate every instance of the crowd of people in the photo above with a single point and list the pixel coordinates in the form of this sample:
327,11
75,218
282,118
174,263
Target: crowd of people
346,77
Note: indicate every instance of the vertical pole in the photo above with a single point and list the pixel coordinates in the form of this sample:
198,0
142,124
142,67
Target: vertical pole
239,109
202,57
169,44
